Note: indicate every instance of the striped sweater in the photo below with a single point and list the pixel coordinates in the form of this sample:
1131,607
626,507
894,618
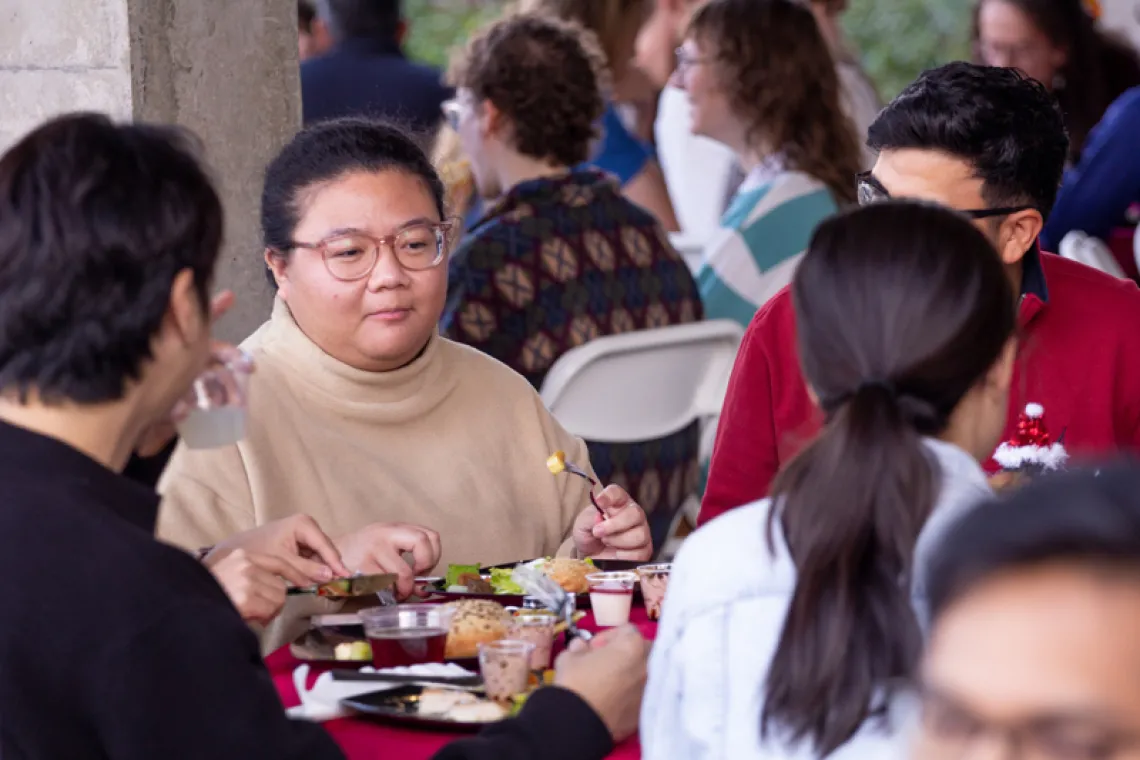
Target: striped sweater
762,237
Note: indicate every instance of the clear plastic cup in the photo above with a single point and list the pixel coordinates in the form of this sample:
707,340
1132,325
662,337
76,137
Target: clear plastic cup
216,405
654,582
537,628
407,634
505,666
611,595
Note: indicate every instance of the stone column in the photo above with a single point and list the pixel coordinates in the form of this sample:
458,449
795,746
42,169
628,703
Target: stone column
225,69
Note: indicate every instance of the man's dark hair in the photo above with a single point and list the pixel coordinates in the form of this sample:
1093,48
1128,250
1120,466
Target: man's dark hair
368,19
1004,124
1087,518
546,75
96,220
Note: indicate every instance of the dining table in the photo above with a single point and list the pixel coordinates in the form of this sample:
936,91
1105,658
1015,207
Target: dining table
360,737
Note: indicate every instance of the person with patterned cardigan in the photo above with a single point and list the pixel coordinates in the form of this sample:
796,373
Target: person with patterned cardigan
561,257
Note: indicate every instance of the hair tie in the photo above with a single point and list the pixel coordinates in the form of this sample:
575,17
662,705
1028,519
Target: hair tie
884,385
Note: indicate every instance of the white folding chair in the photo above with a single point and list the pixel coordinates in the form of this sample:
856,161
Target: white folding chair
644,385
691,249
1090,251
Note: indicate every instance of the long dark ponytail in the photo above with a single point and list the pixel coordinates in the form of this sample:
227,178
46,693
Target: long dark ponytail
901,309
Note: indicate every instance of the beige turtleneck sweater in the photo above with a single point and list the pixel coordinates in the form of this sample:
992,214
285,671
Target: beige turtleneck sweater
455,441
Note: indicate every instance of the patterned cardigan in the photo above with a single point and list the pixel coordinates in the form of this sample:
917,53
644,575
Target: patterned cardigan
556,262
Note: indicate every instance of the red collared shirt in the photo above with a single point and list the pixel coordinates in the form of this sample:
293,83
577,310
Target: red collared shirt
1078,356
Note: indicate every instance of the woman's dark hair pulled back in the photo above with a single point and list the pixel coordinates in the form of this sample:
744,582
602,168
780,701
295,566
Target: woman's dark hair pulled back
901,309
329,150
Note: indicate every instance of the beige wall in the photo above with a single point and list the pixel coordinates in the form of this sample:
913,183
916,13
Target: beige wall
226,69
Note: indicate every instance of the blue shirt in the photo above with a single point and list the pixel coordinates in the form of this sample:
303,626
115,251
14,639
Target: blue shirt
619,152
1096,193
365,77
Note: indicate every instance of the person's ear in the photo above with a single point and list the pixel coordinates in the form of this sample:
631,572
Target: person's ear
1018,233
401,32
279,268
492,122
186,315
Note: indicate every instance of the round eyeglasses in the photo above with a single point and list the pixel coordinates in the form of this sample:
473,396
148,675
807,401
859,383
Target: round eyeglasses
353,256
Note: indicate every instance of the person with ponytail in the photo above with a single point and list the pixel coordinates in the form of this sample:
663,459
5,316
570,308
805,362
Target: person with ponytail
790,622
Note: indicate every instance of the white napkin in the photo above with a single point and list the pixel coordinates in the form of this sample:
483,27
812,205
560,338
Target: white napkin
322,702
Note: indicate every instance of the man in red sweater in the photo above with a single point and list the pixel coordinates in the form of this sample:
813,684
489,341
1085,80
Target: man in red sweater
990,143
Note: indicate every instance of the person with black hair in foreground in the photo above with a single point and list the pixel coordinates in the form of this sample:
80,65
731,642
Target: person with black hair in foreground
112,644
990,143
1035,614
790,621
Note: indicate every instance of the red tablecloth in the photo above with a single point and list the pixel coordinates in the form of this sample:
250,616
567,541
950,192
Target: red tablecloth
360,738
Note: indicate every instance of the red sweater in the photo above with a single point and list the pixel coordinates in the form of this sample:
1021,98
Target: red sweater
1079,356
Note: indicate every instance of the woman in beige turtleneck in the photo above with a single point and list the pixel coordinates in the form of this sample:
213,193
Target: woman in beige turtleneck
359,413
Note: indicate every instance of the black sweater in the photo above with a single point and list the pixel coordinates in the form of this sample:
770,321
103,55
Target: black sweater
114,645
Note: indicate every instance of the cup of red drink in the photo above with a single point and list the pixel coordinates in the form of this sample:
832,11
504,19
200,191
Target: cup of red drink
611,595
407,634
505,666
537,627
654,582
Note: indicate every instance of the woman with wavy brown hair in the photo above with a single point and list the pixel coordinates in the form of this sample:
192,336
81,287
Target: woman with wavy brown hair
761,80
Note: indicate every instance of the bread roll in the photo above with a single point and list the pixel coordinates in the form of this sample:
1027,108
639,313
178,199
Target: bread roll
570,574
476,621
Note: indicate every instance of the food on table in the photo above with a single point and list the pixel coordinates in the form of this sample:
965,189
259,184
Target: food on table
1030,451
459,706
353,650
454,572
479,711
505,666
476,621
406,634
473,583
570,574
611,595
654,581
538,628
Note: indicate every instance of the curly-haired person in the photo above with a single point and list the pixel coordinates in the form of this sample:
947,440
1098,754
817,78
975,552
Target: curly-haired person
562,256
761,80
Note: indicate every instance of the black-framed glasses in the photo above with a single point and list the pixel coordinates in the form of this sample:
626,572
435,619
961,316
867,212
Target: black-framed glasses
353,256
870,190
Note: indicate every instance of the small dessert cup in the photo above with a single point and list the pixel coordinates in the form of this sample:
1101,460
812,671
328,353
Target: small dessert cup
538,628
654,582
505,666
611,595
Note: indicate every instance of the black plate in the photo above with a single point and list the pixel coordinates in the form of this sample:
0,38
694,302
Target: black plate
399,706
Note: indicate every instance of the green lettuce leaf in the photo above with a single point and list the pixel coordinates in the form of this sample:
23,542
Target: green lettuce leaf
454,571
502,581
